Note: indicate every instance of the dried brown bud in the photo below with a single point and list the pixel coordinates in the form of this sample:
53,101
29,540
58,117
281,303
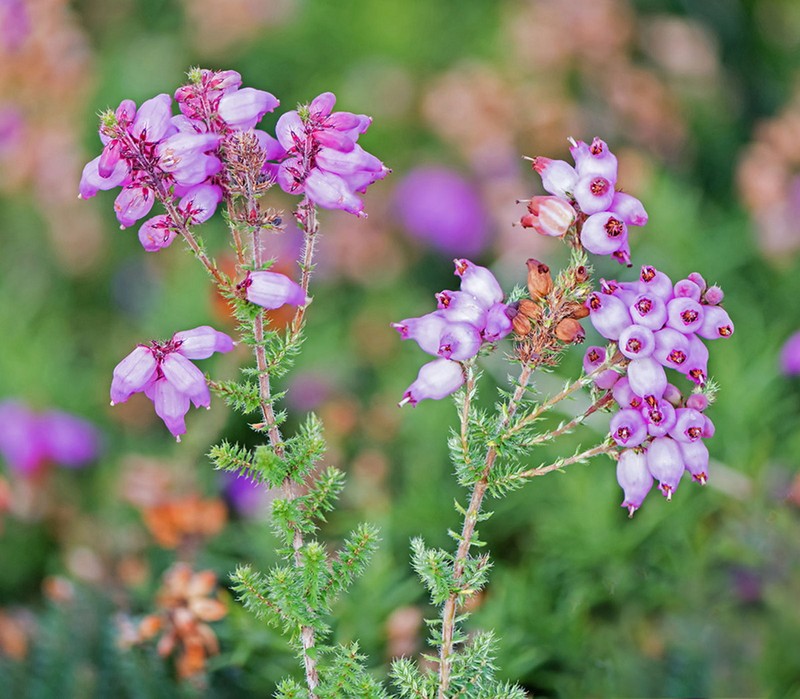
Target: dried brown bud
570,330
540,282
581,274
530,308
577,310
521,324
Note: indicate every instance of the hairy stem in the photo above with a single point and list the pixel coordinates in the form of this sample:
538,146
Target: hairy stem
604,448
288,487
307,215
468,531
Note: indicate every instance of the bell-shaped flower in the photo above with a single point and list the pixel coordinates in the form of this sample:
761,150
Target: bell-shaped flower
162,371
665,463
634,478
272,290
157,233
244,108
478,282
436,380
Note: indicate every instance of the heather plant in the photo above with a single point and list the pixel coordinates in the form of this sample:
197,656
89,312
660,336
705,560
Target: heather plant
209,155
657,428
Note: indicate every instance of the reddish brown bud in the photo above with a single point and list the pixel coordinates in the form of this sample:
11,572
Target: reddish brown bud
577,310
530,308
540,282
570,330
521,324
581,274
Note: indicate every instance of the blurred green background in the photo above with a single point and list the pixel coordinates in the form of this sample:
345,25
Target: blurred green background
695,597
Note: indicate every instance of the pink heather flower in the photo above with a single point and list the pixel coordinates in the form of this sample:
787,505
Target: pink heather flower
603,233
498,323
272,290
608,314
594,193
689,425
162,371
459,341
132,204
479,282
716,323
646,377
426,330
695,459
558,177
323,160
594,159
685,315
651,281
634,478
157,233
200,202
551,216
594,358
436,380
637,341
443,209
15,24
665,463
629,209
649,311
672,348
687,288
624,394
790,355
243,109
628,428
462,306
659,415
189,157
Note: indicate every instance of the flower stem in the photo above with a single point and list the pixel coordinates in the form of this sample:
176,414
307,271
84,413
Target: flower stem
468,529
307,635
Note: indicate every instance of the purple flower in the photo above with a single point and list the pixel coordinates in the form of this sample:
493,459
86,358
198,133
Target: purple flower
628,428
478,282
603,233
272,290
608,315
594,358
634,478
790,355
20,439
665,463
322,159
243,109
70,441
436,380
695,459
162,371
157,233
440,207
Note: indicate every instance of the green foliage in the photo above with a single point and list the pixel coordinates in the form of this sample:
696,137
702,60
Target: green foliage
347,678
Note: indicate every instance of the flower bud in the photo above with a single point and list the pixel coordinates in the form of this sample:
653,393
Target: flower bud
521,324
577,310
581,274
530,309
551,216
687,288
714,295
570,330
540,281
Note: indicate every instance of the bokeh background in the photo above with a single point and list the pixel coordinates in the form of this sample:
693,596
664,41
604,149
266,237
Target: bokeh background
700,99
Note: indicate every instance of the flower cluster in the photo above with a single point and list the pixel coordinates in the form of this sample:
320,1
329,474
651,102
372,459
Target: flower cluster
322,159
163,372
657,326
464,321
30,440
586,192
178,159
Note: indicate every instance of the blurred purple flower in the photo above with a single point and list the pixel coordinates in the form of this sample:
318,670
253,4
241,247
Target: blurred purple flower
443,209
790,355
15,24
29,440
247,498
